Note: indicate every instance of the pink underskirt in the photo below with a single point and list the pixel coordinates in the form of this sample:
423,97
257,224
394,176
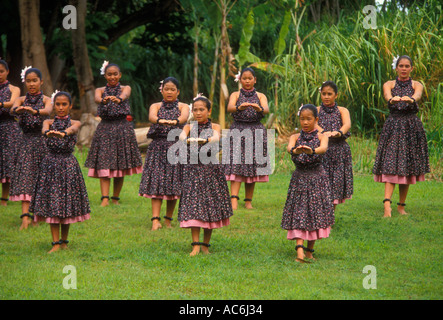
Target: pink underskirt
62,221
391,178
161,197
6,180
22,197
204,224
339,201
308,235
237,178
108,173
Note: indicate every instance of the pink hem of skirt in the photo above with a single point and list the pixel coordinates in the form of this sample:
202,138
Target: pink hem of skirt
109,173
203,224
237,178
340,201
161,197
55,220
21,197
6,180
308,235
396,179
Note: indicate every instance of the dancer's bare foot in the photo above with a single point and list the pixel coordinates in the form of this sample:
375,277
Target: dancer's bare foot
401,208
300,254
309,255
195,250
26,221
156,224
234,202
4,203
105,201
387,209
64,244
168,223
55,248
248,204
115,201
205,250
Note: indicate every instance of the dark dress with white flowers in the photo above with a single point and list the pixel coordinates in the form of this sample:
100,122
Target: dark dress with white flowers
161,178
205,200
31,151
60,191
247,159
337,161
309,212
402,153
10,135
114,151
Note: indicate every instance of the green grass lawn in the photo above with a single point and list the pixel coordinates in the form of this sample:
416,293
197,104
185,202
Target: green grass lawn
116,256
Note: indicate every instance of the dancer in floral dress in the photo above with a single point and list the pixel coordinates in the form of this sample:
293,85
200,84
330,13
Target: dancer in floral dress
335,123
204,202
114,151
245,161
31,111
161,180
10,133
309,212
402,154
60,197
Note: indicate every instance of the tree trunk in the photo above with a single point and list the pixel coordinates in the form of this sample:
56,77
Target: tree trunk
223,56
224,7
32,41
196,60
85,79
214,68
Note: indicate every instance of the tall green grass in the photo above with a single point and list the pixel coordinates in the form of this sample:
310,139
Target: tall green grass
359,61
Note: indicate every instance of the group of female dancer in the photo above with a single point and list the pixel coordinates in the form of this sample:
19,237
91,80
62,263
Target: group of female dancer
38,168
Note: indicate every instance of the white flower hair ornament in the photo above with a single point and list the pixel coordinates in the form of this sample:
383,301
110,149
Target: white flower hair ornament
161,85
299,109
103,68
23,74
394,62
237,77
198,96
53,95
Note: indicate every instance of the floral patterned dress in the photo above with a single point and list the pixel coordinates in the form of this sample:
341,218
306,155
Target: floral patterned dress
205,200
60,191
402,153
337,161
162,179
247,159
10,135
114,150
309,212
31,151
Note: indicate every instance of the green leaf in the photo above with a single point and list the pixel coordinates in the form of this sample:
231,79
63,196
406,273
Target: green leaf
280,44
245,40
